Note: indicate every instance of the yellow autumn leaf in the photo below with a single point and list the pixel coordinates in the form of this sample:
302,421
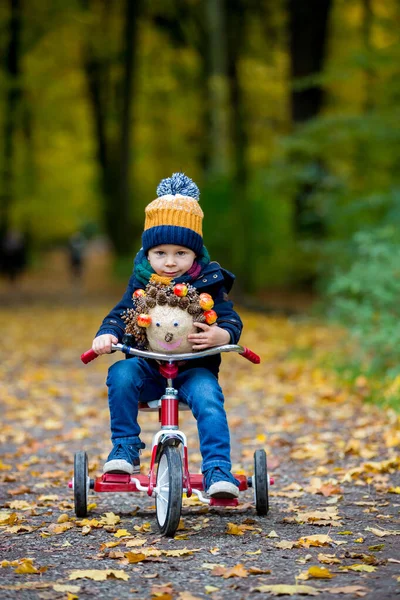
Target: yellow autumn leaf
227,572
110,519
19,529
86,530
26,566
365,568
182,552
328,559
66,587
7,518
210,589
233,529
286,544
121,533
316,572
145,528
20,505
286,590
135,557
382,532
63,518
135,542
315,540
99,574
61,528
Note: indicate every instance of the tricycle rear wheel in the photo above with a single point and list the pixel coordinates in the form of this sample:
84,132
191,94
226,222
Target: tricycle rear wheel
169,495
81,483
261,482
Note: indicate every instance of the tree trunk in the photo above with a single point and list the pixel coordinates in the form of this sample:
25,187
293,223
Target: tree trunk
218,92
12,105
241,206
114,149
308,25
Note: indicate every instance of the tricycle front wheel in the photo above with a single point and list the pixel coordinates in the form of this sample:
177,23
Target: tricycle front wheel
170,489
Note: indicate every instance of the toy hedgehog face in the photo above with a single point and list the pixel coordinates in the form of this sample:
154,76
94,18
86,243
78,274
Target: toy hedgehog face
163,316
169,329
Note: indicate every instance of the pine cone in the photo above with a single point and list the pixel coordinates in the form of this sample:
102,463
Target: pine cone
173,300
200,318
152,291
184,303
151,302
193,308
161,298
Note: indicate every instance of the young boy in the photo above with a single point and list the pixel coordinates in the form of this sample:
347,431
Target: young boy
173,247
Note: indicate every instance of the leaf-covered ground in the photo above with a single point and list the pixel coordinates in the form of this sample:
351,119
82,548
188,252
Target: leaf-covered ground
333,529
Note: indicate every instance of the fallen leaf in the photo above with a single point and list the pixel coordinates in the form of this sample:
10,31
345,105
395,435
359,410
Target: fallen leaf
348,589
287,590
110,519
225,572
122,533
26,566
99,574
135,557
316,572
382,532
62,587
210,589
366,568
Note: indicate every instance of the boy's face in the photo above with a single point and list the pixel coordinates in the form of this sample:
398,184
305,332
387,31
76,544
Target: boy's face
169,260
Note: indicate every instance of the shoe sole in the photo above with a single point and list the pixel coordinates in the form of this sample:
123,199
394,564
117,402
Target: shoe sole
118,466
223,489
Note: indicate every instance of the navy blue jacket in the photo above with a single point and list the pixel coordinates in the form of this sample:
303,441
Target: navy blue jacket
214,280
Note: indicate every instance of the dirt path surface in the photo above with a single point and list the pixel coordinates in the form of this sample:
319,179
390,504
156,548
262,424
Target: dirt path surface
333,528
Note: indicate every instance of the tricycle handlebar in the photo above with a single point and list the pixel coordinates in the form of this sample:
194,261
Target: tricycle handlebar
90,355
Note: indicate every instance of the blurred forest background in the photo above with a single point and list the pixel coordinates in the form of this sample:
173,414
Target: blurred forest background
286,113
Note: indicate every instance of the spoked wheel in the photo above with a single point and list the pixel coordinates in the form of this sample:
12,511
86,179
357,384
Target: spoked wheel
169,496
81,483
261,482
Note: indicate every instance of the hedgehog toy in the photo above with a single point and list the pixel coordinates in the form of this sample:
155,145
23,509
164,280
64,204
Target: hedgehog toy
164,313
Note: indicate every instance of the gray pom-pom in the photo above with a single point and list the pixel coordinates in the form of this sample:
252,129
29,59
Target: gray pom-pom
178,183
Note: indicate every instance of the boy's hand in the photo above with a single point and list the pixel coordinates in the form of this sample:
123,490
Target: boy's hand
211,335
102,343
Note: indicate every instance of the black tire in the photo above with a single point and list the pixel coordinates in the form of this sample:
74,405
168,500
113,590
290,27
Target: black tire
169,502
81,474
261,482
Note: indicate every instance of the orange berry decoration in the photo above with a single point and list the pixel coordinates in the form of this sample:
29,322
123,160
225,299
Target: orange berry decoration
138,293
210,316
180,289
144,320
206,302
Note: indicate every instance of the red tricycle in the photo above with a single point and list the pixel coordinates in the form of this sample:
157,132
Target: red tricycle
169,475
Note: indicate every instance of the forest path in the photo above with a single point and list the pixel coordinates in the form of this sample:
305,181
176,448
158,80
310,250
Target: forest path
334,505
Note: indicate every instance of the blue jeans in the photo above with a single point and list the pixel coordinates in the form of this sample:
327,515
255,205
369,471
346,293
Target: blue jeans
136,379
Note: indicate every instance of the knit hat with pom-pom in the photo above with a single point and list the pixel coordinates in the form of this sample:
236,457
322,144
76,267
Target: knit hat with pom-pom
175,217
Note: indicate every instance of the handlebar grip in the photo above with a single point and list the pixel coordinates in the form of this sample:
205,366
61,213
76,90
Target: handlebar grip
251,356
88,356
